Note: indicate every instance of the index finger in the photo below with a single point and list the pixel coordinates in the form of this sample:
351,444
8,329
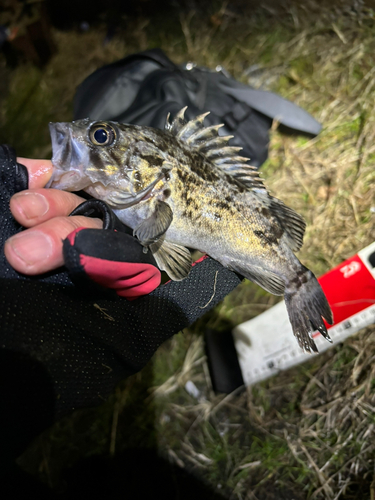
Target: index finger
39,171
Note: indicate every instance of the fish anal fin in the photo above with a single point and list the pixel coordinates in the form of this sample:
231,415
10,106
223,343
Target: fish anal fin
152,228
174,259
268,280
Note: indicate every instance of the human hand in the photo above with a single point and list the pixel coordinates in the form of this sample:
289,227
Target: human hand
44,212
110,258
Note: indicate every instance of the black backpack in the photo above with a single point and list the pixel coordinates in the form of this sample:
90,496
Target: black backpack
143,88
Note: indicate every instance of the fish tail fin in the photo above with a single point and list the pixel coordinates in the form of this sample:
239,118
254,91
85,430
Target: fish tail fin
307,306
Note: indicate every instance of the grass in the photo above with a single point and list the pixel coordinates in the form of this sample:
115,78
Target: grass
309,432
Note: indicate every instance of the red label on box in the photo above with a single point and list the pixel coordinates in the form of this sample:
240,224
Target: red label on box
349,288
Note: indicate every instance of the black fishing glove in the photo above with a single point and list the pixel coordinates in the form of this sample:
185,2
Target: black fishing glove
112,257
65,347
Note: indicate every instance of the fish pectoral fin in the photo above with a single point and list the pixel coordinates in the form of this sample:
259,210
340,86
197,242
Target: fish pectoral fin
150,229
174,259
292,223
268,280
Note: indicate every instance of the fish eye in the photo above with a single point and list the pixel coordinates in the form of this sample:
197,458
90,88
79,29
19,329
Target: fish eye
102,135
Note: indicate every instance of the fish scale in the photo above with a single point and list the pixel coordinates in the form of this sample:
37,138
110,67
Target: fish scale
186,187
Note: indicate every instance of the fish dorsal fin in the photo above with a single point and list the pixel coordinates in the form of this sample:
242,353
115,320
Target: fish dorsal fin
215,148
177,123
292,223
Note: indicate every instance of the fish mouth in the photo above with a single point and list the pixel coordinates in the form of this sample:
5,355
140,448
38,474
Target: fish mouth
68,159
68,181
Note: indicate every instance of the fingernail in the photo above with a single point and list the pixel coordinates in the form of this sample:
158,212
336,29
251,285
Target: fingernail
31,204
31,247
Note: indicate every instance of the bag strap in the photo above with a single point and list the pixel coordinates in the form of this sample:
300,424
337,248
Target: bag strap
269,104
272,105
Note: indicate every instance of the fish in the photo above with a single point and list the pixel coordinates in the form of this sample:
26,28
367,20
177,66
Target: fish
184,188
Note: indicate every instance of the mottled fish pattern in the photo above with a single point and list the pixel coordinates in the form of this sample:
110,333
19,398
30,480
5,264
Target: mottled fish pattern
185,187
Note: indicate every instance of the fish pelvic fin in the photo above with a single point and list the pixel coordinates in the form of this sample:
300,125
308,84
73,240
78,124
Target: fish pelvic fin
174,259
307,306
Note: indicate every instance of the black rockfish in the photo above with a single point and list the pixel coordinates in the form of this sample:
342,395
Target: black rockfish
185,187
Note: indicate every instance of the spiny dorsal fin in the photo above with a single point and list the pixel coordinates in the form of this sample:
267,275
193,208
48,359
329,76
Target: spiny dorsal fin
177,123
202,136
222,153
191,127
215,148
217,142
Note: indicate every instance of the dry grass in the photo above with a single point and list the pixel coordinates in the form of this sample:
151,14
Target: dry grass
310,432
